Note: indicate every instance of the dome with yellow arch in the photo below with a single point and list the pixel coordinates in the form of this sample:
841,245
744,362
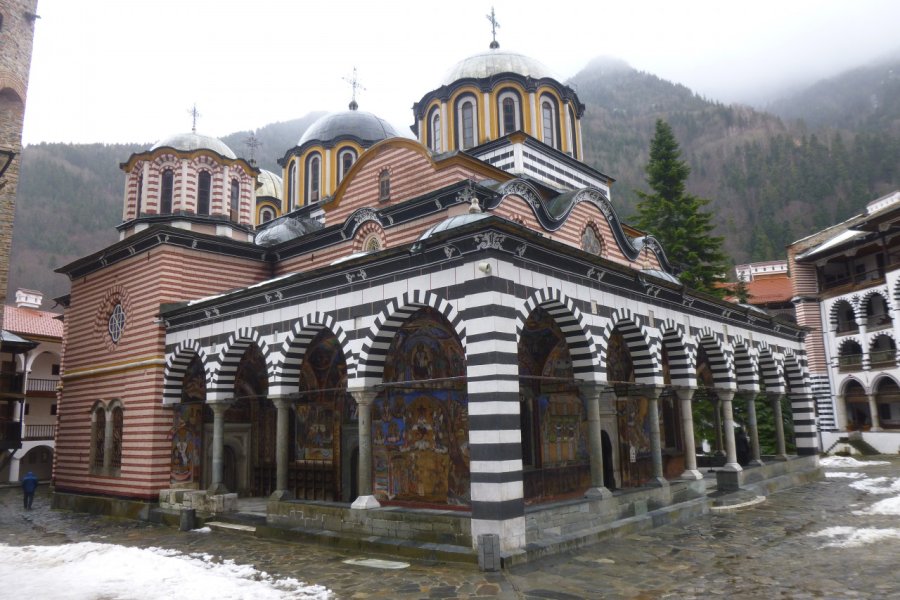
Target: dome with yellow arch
494,94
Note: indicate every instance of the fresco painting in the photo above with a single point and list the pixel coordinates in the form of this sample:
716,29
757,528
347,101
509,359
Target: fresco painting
324,401
187,443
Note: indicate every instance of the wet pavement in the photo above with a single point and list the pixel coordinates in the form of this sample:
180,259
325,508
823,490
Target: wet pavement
773,550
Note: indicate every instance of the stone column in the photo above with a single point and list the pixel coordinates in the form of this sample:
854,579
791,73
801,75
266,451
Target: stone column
685,395
753,427
840,413
731,463
283,405
216,485
781,448
717,421
364,399
592,394
873,410
653,393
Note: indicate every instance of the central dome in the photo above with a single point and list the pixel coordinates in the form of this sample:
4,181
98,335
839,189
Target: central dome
494,62
358,124
188,142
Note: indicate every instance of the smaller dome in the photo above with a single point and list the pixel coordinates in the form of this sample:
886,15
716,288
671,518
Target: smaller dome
494,62
349,123
187,142
271,185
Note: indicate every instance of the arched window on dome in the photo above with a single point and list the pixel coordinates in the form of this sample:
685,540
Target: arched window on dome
549,128
291,177
235,200
466,122
204,189
313,178
266,214
140,196
573,125
435,137
165,195
510,112
346,158
384,185
372,243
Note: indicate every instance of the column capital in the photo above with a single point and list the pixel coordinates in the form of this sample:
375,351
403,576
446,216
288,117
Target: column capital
363,396
684,392
282,401
725,394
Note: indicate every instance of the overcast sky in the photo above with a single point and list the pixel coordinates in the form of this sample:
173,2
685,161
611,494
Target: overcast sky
129,70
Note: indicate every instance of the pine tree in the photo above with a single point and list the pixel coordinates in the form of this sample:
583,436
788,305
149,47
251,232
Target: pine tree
676,218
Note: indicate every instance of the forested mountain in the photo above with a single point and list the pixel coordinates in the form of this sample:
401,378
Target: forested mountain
770,179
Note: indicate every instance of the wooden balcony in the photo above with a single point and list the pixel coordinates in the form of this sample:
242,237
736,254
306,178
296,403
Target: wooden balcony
39,432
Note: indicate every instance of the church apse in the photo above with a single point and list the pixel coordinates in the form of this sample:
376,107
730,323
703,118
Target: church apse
420,419
553,415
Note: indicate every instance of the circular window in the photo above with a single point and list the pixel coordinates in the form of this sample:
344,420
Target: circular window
116,323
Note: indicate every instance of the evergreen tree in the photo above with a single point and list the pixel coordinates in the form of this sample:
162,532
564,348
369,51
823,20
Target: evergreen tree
676,218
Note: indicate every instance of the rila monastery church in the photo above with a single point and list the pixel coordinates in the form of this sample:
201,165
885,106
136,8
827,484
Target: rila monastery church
435,340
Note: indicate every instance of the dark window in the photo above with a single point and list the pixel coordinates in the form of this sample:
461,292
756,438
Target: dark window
53,410
347,158
509,115
467,112
384,185
266,215
574,140
235,200
292,175
116,446
548,125
313,168
27,409
140,195
165,198
204,185
434,130
54,370
99,435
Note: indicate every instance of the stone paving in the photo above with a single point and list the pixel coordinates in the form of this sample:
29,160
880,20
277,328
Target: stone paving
767,551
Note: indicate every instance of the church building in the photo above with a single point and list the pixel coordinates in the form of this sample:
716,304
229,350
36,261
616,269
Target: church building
455,330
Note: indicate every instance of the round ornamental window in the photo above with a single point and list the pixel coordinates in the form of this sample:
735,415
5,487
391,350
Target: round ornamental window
116,323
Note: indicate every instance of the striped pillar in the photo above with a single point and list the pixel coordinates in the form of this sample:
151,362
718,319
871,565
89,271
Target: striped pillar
495,438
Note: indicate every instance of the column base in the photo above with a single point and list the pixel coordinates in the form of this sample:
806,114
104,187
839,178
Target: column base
365,503
782,457
756,463
692,475
658,482
280,495
598,493
875,429
732,467
217,490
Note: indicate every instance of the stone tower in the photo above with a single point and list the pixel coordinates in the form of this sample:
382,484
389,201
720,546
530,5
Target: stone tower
17,19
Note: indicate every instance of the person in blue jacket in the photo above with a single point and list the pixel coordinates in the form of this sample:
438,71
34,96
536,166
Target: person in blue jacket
29,485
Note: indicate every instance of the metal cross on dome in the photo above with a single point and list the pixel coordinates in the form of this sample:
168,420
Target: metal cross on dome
354,85
195,114
252,144
494,26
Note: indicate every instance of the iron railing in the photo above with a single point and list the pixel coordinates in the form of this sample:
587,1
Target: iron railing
42,385
850,362
40,432
883,357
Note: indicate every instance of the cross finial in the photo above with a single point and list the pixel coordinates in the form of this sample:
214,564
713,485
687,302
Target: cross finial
494,26
354,85
195,114
252,144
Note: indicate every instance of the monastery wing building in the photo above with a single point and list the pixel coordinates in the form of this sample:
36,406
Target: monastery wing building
454,331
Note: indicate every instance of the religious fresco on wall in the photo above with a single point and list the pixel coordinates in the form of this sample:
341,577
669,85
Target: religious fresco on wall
421,434
187,443
632,414
323,402
193,386
554,423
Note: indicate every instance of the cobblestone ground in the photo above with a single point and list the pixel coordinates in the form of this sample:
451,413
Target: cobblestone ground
768,551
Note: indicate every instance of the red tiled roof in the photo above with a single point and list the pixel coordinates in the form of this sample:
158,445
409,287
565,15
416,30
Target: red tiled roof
29,321
770,289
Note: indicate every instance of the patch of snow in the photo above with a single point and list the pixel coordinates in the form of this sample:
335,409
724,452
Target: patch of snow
202,530
842,475
877,485
888,506
850,537
848,462
89,570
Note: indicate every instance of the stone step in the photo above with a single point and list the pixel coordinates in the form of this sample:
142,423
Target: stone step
233,527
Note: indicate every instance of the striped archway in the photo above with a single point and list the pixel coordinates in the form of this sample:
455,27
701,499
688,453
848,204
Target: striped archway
223,379
643,348
176,365
681,352
745,366
295,346
720,360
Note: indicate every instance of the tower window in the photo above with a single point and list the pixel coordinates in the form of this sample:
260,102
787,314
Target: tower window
204,185
165,198
291,177
573,141
266,215
235,200
467,123
548,122
313,169
346,158
510,115
140,193
384,185
434,130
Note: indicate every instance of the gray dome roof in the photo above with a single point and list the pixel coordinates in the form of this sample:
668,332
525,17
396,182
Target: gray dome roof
188,142
495,61
270,184
360,124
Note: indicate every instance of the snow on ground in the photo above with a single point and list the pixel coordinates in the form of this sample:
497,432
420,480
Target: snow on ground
843,475
848,462
849,537
888,506
88,570
877,485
